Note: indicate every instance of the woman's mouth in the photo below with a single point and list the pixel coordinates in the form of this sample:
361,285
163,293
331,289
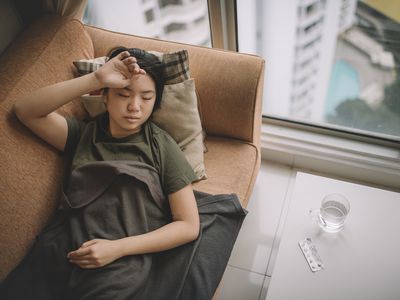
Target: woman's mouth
131,119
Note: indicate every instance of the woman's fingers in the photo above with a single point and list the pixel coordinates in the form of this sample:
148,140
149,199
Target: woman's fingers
141,71
87,256
94,254
84,259
118,72
81,261
79,252
124,70
132,65
88,266
135,69
88,243
123,55
85,264
129,60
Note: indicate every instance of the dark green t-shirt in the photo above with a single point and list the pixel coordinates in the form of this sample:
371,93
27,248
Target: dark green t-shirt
88,142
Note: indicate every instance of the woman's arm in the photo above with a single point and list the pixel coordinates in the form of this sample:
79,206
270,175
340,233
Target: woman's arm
183,229
36,110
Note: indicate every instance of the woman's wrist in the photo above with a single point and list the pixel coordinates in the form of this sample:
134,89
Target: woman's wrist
95,83
124,246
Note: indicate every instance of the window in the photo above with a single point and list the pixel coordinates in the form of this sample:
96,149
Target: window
346,53
309,28
163,3
177,20
312,8
149,15
174,27
200,19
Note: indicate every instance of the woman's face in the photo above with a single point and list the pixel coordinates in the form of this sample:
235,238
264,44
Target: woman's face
130,107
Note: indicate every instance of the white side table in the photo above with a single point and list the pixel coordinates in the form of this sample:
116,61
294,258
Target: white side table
361,262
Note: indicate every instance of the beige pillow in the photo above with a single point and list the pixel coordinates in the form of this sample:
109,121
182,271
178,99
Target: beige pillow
94,104
178,113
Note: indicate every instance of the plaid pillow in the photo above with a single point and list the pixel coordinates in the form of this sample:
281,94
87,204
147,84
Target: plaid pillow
86,66
176,65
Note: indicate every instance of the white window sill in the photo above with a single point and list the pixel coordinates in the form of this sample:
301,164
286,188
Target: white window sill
360,161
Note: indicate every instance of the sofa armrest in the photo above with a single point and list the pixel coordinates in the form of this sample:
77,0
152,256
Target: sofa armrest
229,84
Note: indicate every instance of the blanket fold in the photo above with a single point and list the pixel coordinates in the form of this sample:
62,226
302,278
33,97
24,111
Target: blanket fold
116,199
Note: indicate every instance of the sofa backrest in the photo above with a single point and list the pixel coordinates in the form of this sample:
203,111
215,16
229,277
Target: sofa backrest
229,84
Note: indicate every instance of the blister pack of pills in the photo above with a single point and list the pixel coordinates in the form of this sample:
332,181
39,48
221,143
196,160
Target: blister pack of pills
311,254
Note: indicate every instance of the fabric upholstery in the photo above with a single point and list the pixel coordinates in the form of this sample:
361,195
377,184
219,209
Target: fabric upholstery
31,170
231,168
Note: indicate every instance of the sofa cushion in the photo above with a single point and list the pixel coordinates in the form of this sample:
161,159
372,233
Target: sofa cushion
232,166
178,115
176,65
32,170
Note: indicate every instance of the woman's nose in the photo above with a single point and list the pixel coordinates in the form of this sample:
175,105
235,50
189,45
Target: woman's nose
134,105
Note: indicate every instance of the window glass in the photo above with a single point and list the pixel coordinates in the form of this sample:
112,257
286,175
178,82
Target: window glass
183,21
149,15
334,63
163,3
175,27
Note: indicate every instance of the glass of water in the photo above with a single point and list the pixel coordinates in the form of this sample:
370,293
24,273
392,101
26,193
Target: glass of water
332,213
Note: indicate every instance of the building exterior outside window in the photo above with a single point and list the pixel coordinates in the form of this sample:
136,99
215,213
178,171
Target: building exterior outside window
329,62
183,21
175,27
163,3
149,15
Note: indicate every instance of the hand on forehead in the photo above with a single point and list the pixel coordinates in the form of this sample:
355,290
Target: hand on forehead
131,63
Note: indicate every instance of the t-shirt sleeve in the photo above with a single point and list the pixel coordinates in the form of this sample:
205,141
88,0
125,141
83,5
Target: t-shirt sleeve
175,170
75,129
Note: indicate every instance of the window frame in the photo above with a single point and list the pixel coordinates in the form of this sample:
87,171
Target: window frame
223,24
354,154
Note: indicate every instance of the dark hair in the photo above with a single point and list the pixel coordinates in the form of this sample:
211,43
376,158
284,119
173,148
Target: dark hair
148,62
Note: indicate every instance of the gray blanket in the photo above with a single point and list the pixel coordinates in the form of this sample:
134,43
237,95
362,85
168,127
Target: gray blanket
116,199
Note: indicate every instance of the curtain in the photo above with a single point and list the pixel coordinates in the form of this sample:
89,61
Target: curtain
67,8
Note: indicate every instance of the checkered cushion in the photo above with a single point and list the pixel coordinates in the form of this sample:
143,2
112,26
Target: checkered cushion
86,66
176,64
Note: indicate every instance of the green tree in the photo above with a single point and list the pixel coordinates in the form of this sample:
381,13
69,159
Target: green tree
392,97
356,113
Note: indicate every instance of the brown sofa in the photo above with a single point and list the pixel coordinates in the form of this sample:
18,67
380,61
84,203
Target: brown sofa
229,87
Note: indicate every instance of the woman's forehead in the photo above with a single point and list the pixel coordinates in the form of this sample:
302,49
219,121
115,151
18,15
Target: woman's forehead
140,83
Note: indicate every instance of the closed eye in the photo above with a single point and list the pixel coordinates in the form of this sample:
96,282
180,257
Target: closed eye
123,95
147,95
